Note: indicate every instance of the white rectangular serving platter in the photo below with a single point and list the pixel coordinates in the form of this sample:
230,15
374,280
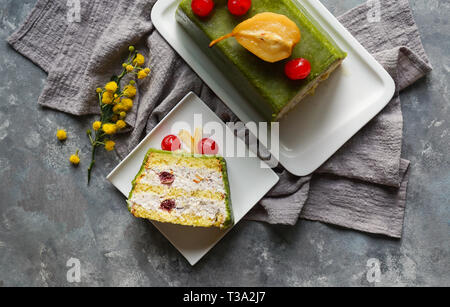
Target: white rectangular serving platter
322,123
194,243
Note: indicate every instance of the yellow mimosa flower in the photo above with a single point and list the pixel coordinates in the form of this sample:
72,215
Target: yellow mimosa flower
75,159
121,124
61,135
139,60
109,129
97,125
107,98
111,87
110,145
130,91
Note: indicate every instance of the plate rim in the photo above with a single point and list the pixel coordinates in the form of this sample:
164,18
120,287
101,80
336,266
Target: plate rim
370,113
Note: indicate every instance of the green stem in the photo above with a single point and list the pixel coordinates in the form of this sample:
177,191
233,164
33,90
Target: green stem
92,163
130,59
92,141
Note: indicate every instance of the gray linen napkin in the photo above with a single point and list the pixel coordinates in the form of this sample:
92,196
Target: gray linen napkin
363,187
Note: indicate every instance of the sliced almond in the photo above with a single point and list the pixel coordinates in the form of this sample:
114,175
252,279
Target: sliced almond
187,140
198,136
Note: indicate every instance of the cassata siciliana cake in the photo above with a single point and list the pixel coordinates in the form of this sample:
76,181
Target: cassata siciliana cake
184,189
263,83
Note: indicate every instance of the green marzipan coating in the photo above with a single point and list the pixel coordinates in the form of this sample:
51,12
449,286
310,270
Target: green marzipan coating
268,79
230,218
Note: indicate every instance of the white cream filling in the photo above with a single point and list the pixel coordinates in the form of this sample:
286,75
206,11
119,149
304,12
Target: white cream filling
189,179
205,208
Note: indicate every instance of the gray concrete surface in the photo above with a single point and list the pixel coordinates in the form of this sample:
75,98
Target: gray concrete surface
48,215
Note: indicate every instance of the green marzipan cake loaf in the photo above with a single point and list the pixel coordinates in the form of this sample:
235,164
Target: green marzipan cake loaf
265,84
182,189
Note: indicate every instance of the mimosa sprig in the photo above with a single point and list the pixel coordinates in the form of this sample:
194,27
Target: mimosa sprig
114,103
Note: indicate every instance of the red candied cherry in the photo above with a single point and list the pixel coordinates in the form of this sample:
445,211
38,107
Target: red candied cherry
171,143
202,8
208,147
239,7
298,69
168,205
166,178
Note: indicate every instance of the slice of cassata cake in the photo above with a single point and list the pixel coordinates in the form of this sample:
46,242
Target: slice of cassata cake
182,189
264,84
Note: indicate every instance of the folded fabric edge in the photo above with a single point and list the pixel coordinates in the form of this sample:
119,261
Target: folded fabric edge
419,44
422,66
60,108
337,214
283,210
15,39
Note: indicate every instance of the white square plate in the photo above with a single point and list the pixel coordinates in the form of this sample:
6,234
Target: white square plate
194,243
321,124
